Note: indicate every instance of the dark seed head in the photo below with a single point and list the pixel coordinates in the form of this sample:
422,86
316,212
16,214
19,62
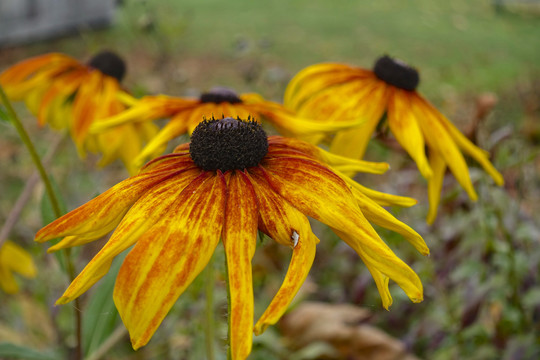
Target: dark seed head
220,94
396,72
228,144
109,64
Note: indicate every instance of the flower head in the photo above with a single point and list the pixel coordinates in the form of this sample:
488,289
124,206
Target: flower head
186,113
67,94
333,92
228,183
14,259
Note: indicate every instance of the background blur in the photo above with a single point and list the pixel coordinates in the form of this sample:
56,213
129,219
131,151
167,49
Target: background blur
479,64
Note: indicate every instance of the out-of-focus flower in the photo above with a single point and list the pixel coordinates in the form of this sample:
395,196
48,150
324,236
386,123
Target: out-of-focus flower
14,259
67,94
334,92
186,113
228,183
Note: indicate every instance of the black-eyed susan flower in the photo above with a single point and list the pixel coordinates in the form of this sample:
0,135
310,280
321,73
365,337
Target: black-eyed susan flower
186,113
333,92
14,259
67,94
228,183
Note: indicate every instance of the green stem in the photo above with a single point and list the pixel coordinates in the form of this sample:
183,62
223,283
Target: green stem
33,153
54,203
209,327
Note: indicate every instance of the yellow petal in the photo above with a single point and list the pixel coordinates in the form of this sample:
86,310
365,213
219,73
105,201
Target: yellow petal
157,203
301,261
404,126
378,215
288,226
278,143
7,281
474,151
17,259
438,138
104,211
380,198
435,184
239,241
319,193
169,256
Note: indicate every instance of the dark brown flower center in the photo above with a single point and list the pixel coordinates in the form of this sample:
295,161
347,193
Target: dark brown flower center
228,144
219,95
396,73
109,64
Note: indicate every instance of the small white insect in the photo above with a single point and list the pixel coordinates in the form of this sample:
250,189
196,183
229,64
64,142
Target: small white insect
295,238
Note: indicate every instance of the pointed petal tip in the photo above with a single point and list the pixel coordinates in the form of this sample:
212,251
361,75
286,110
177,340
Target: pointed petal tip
62,300
260,327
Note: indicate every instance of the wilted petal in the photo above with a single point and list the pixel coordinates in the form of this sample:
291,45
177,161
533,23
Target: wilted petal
169,256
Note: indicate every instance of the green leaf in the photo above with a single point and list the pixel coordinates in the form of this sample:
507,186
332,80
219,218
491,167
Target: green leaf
12,351
100,316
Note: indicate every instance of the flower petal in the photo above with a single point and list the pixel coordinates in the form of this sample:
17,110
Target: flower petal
404,126
438,138
239,240
154,205
17,259
104,211
319,193
287,226
474,151
377,214
435,184
169,256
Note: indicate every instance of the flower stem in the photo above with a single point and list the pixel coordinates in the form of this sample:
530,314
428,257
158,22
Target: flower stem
54,203
33,153
209,326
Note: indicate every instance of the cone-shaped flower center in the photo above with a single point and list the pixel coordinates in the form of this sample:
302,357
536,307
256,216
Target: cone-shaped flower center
220,94
228,144
110,64
397,73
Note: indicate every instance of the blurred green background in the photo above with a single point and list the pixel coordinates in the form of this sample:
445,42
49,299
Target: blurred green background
479,63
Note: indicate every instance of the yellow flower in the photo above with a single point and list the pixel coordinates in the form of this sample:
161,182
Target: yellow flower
66,94
186,113
334,92
14,258
228,183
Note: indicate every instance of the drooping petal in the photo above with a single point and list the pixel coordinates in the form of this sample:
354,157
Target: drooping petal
287,226
404,126
438,138
239,240
7,281
154,205
381,198
435,184
169,256
378,215
474,151
319,193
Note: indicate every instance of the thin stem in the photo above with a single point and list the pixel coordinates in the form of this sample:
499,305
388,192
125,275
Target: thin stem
54,203
25,195
33,153
210,327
